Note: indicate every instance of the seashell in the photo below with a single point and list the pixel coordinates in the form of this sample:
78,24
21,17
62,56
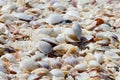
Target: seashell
6,17
22,16
58,78
2,2
54,19
3,76
82,76
58,5
103,27
71,60
22,76
77,30
112,54
89,57
44,64
94,64
33,77
55,64
95,78
65,48
57,73
99,57
31,64
88,37
49,40
44,47
72,13
81,67
8,57
21,9
60,38
40,71
38,56
2,40
2,69
46,31
14,68
103,42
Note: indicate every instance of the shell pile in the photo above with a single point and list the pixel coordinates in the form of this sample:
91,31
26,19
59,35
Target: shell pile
59,39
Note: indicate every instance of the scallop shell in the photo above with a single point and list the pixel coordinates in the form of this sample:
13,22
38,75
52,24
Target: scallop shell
57,73
44,47
54,18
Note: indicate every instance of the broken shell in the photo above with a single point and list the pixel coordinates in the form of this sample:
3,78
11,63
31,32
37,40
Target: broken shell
44,47
57,73
77,30
22,16
40,71
81,67
54,19
28,64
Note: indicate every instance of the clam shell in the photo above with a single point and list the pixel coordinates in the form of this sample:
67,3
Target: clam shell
57,73
40,71
94,64
81,67
44,47
49,40
99,57
33,77
71,60
8,57
44,64
54,19
77,30
31,64
22,16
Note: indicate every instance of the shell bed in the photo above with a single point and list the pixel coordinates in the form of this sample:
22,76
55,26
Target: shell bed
59,39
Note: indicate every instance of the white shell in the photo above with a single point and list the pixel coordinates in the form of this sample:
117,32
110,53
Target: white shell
2,69
33,77
8,57
81,67
94,64
28,64
44,47
104,27
57,73
40,71
99,57
71,60
54,18
77,30
22,16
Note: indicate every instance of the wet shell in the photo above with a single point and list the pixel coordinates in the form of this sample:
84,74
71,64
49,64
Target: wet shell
54,18
57,73
44,47
40,71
